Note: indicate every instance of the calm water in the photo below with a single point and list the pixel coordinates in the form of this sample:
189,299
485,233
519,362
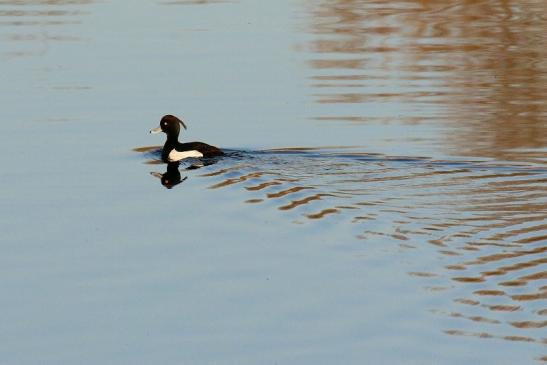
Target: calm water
384,198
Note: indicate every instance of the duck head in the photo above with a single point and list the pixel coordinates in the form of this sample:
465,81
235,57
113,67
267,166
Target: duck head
169,125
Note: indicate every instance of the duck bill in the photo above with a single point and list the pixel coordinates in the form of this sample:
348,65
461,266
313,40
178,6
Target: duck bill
155,130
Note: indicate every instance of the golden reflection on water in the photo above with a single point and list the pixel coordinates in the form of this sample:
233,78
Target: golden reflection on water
478,68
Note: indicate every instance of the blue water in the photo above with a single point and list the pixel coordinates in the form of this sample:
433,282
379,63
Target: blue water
383,199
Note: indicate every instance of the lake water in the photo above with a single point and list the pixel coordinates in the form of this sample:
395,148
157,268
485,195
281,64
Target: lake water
383,199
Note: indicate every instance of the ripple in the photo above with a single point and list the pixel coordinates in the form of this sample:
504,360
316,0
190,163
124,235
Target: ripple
464,64
23,22
485,220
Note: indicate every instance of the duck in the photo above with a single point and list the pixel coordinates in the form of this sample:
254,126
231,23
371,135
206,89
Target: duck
173,150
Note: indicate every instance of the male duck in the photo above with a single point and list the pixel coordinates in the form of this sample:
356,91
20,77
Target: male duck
173,150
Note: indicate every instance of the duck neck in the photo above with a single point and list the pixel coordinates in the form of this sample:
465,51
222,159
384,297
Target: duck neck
172,138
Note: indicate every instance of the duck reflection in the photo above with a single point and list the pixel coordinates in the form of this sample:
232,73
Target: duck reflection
171,177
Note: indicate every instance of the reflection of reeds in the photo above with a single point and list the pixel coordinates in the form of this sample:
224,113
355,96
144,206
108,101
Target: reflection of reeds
477,67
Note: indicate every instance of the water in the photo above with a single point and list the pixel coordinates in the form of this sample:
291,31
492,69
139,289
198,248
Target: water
383,199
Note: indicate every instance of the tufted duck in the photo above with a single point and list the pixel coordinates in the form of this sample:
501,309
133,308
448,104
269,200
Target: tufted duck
173,150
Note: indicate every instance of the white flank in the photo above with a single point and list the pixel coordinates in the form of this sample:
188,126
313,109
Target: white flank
175,155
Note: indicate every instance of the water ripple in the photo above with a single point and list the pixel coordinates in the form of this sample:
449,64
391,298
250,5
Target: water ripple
485,220
475,69
24,24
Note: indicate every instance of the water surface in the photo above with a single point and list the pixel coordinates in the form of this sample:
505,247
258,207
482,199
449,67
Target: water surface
383,199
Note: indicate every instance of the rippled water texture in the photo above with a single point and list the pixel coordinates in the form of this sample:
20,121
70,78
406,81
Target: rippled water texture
383,198
477,68
484,221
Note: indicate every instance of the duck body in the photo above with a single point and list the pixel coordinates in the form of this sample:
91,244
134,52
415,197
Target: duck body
173,150
176,151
